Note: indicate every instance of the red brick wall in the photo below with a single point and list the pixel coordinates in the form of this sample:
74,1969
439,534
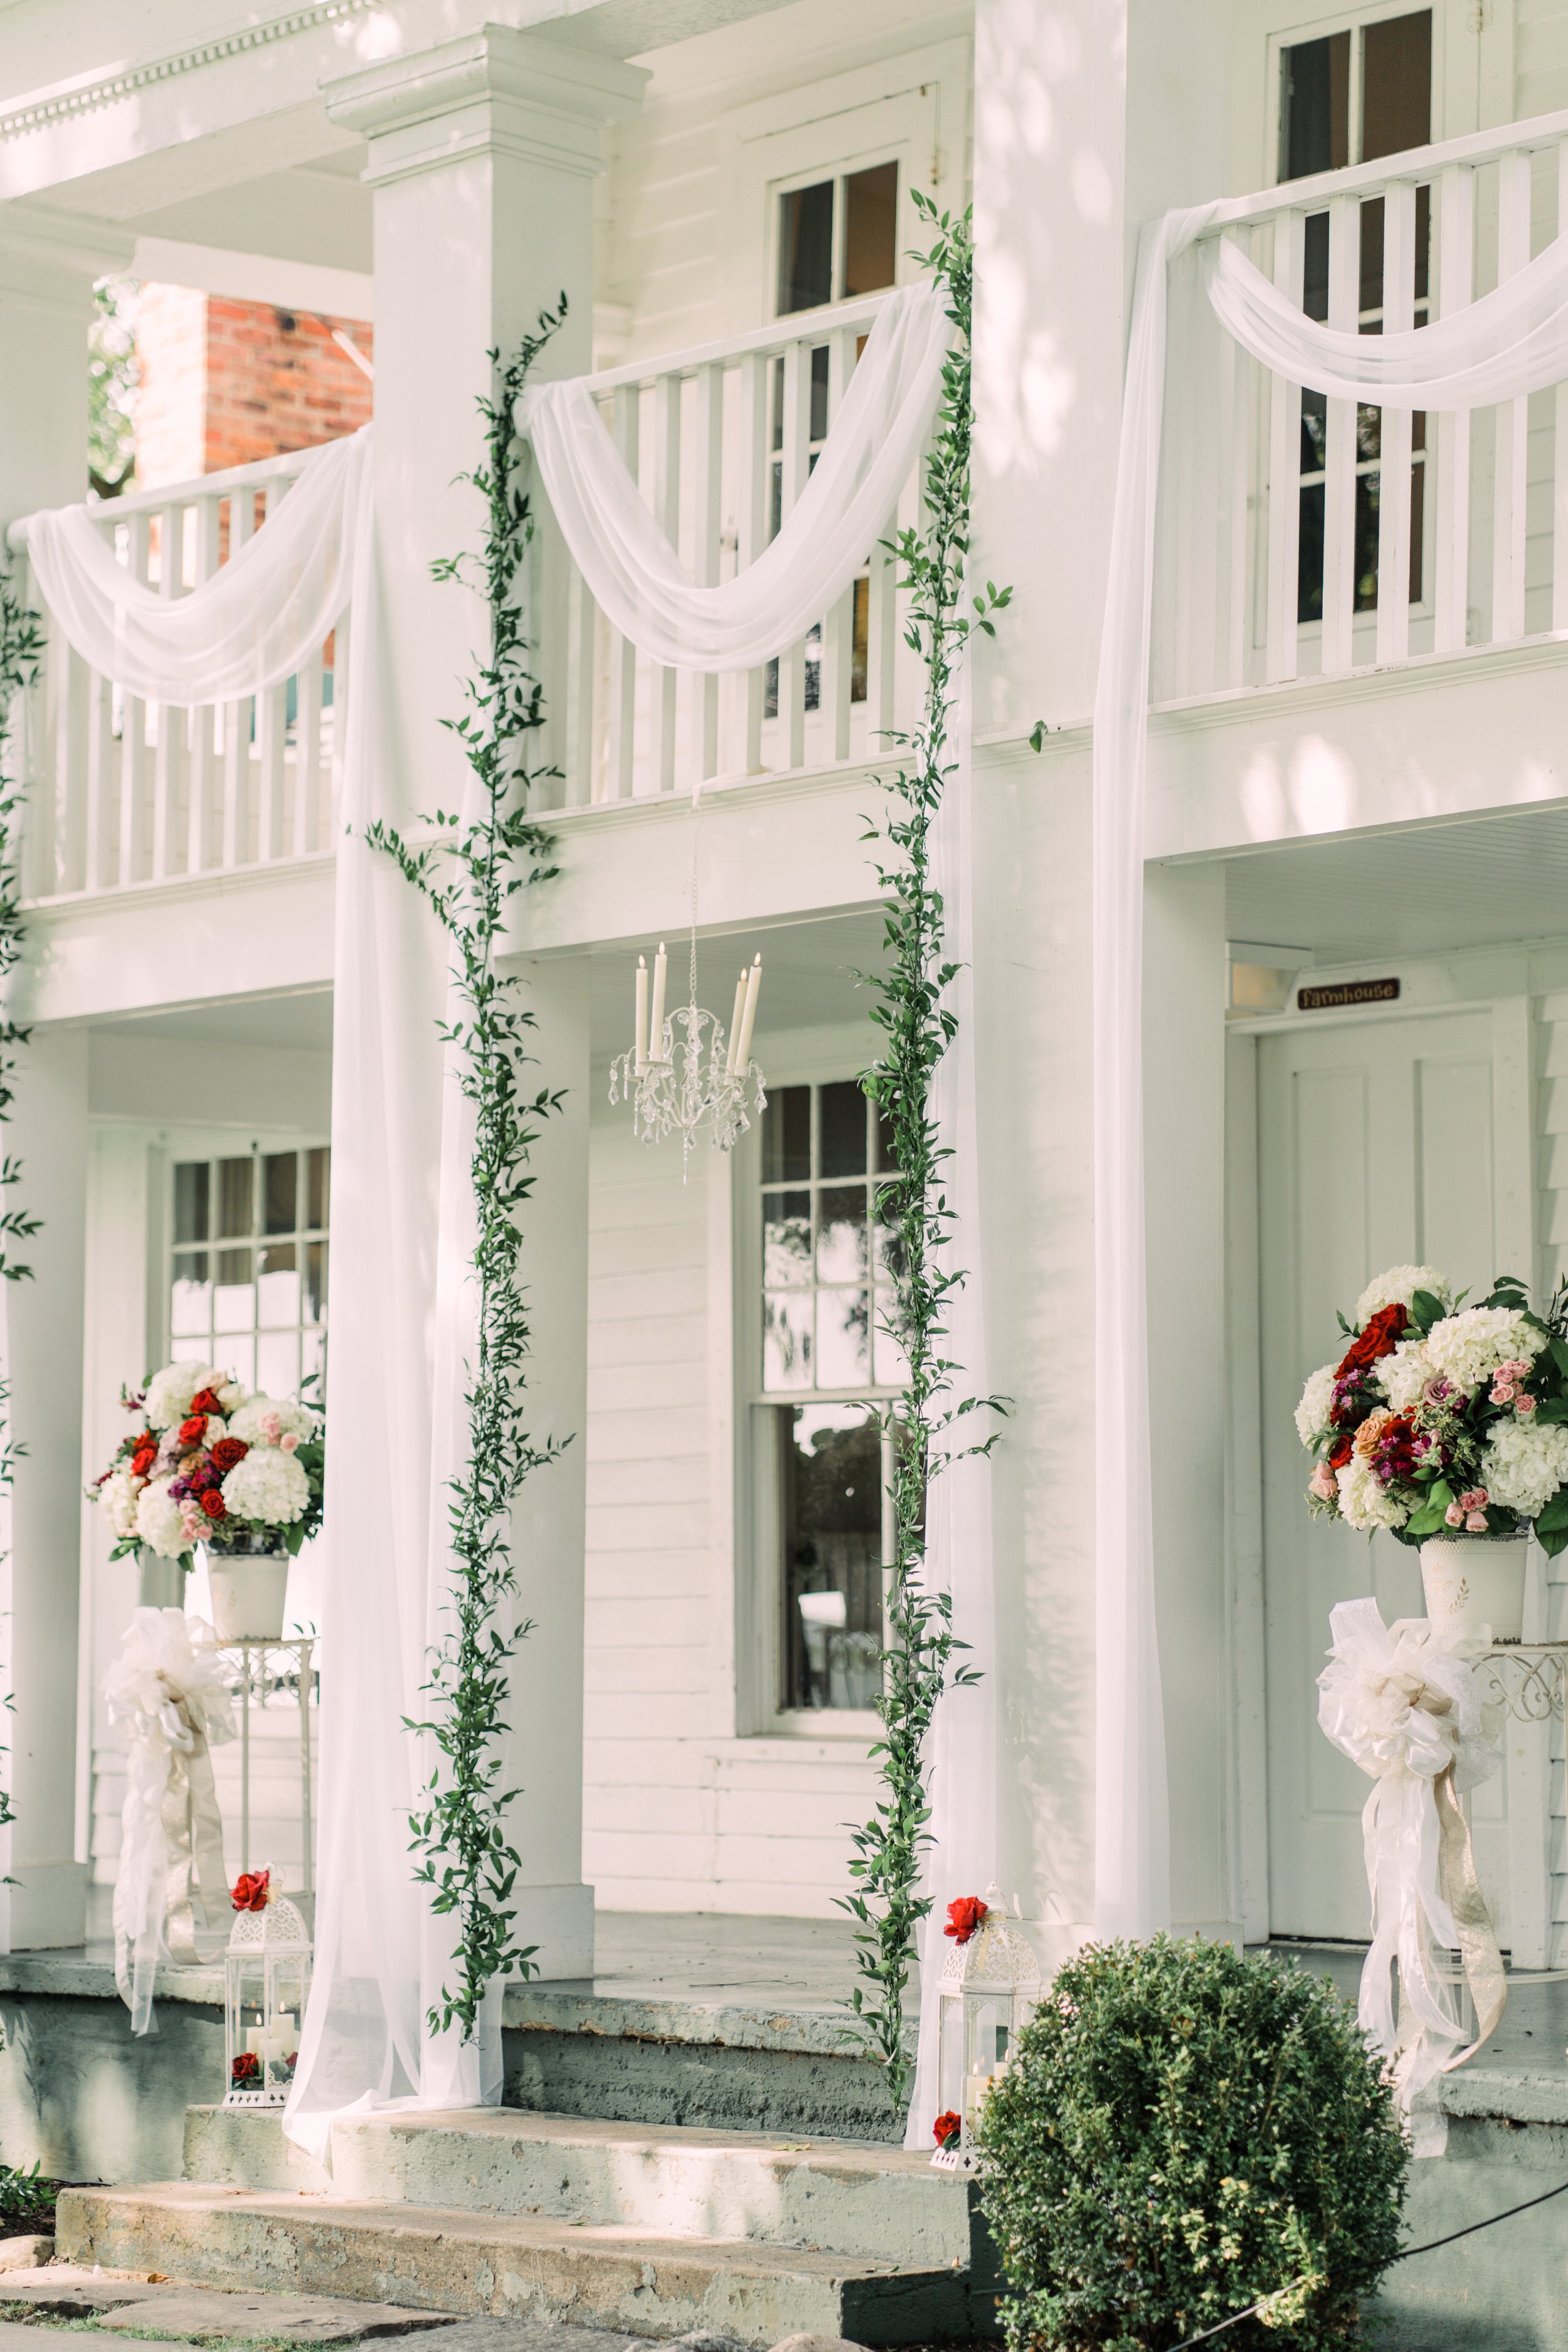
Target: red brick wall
224,382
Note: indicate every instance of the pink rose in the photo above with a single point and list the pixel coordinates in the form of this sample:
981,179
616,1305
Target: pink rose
1454,1516
1502,1390
1324,1486
1477,1523
1526,1405
1475,1500
271,1428
291,1441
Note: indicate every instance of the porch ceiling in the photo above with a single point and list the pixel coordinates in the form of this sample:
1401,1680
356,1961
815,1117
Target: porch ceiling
807,971
1485,881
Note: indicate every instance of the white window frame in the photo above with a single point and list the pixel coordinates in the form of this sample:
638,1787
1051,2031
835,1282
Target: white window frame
1466,64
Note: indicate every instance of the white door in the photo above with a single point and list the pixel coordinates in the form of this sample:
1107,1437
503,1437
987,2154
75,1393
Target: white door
1375,1149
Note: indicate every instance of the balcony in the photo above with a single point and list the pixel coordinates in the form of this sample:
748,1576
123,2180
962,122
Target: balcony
1304,539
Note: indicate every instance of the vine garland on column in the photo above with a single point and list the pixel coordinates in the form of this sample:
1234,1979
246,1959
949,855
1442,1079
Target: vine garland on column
21,650
468,877
918,1025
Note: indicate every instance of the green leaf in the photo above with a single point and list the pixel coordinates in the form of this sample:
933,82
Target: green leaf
1426,1309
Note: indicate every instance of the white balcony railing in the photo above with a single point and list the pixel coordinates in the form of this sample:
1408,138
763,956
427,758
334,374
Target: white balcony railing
121,791
721,441
1303,538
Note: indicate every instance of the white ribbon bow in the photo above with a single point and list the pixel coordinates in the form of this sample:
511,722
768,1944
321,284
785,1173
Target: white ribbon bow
1410,1711
171,1704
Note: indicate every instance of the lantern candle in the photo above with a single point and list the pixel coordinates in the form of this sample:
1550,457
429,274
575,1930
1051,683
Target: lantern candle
640,1049
735,1019
748,1018
655,1022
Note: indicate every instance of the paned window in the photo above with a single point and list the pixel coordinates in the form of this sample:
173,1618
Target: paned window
838,239
1347,98
248,1273
828,1359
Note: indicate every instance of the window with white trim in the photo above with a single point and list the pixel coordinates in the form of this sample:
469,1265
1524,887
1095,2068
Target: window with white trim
248,1264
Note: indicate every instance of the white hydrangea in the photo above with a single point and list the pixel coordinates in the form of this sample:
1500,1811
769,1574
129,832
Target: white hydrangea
118,1494
1364,1501
1317,1402
293,1420
169,1393
1466,1349
159,1523
1524,1465
1401,1282
1403,1375
268,1485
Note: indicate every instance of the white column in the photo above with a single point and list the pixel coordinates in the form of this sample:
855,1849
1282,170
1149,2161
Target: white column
47,264
482,156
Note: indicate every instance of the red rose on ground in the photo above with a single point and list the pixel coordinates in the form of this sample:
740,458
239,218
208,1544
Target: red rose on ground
192,1432
963,1916
946,2129
226,1452
247,2068
249,1892
205,1401
213,1504
1382,1334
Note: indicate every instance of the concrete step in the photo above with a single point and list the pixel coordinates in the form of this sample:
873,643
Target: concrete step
517,2266
838,2196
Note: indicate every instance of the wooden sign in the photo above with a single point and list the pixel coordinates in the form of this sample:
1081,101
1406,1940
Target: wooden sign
1347,992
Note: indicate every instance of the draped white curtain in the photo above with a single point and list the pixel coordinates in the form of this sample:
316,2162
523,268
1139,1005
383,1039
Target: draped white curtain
635,574
1511,341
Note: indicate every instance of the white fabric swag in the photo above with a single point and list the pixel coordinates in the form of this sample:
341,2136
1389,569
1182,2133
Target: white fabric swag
635,574
1511,341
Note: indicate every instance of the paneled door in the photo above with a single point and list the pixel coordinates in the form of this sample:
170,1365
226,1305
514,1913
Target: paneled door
1377,1147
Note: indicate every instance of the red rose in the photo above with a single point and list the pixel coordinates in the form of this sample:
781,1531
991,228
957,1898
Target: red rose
963,1916
247,2068
213,1504
142,1462
226,1452
192,1432
947,2130
1341,1453
249,1892
1381,1335
203,1401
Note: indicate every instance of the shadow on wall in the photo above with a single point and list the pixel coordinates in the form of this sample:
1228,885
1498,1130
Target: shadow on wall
82,2096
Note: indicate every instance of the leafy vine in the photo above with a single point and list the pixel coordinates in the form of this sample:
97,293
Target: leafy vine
917,1024
21,649
468,877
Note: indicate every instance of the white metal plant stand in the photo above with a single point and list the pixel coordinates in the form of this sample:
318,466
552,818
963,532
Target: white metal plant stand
260,1672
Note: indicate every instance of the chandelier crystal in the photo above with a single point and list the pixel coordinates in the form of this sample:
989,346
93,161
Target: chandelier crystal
681,1076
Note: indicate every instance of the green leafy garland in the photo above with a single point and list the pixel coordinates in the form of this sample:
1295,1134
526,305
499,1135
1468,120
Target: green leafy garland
21,650
469,878
918,1026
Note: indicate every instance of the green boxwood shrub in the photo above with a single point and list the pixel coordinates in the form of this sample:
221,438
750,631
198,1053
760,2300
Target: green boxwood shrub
1181,2132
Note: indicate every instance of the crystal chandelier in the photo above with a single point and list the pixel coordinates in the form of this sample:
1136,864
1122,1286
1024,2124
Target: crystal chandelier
694,1084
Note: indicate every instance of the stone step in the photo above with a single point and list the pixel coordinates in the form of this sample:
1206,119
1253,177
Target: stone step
838,2196
635,2281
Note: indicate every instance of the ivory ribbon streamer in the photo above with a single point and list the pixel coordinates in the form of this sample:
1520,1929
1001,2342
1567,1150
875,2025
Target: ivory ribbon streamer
171,1701
1409,1711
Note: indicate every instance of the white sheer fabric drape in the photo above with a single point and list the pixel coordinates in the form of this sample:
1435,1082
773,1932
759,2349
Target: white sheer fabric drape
1511,341
259,618
637,577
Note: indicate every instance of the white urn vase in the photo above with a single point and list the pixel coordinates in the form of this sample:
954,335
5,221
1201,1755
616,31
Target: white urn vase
248,1591
1475,1586
161,1583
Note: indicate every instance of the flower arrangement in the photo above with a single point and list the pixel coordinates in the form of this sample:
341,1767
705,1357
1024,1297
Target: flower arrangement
1442,1418
208,1461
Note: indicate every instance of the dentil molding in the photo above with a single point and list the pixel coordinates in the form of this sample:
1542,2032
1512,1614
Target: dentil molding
497,90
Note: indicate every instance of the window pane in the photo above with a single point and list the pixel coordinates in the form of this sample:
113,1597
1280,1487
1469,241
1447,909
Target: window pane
787,1340
1310,554
819,393
279,1191
1316,111
806,248
1396,85
234,1300
193,1186
315,1282
787,1137
189,1301
843,1339
786,1238
278,1362
238,1357
886,1248
841,1111
887,1157
841,1233
859,638
236,1196
1315,266
870,229
318,1167
892,1364
278,1286
830,1493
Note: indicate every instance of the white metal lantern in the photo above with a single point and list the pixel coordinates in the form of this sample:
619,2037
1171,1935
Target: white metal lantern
990,1989
268,1977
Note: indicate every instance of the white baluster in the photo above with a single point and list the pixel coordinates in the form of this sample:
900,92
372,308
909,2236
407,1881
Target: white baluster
202,821
1509,514
796,459
666,407
1455,291
622,749
1560,441
709,488
1284,470
133,813
237,717
838,626
1396,432
756,477
1340,448
170,720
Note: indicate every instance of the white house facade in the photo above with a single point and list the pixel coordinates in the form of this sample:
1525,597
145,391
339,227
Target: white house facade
1355,775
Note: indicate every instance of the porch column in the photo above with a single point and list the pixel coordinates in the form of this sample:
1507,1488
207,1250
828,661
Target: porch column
47,264
482,156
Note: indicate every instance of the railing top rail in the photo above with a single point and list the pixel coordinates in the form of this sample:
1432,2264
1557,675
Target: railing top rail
173,494
799,327
1412,163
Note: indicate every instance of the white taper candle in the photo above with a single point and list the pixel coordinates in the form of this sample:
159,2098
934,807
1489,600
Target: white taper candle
656,1019
748,1018
735,1022
640,1049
